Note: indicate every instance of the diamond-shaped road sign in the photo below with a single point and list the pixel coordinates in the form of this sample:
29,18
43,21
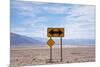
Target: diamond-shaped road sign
50,42
55,32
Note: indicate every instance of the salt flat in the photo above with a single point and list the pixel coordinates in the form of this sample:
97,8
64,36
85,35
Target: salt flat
35,55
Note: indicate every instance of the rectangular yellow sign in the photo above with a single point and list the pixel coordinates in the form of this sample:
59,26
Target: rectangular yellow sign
55,32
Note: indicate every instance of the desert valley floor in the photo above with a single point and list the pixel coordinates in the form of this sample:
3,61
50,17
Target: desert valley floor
27,56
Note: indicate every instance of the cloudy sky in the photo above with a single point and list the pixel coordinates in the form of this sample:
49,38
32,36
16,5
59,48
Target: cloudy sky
33,18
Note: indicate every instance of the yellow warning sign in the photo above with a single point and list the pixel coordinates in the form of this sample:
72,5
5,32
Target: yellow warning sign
55,32
50,42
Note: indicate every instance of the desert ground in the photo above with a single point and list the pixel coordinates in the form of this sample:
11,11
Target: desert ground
27,56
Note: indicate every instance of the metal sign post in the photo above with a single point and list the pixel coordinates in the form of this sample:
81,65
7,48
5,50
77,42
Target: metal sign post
51,54
50,44
61,48
55,32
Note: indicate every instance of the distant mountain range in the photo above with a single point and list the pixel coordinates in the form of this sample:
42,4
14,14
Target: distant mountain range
16,39
20,40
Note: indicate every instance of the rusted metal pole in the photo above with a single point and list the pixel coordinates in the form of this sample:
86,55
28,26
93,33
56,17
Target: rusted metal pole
50,53
61,48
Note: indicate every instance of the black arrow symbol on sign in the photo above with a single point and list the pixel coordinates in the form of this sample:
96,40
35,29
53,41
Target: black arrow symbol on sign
55,32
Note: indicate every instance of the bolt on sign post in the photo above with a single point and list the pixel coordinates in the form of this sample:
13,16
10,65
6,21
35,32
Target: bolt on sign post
55,32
